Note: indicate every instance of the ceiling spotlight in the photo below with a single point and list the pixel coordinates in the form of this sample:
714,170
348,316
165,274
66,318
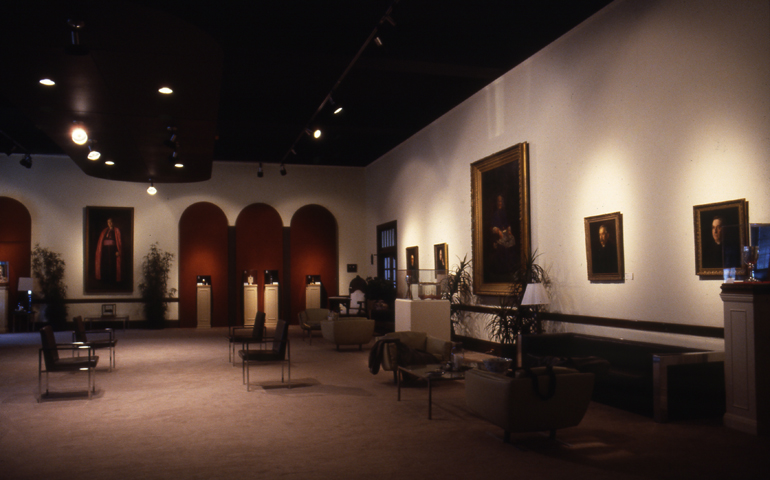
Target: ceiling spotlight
377,41
174,160
389,20
283,170
165,90
93,153
79,135
109,162
75,48
335,108
47,82
151,189
26,161
260,173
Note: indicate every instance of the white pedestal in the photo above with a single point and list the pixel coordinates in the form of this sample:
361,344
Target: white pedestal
429,316
271,305
747,359
313,296
250,304
204,306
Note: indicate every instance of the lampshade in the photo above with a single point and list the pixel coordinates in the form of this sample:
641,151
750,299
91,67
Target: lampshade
25,284
535,294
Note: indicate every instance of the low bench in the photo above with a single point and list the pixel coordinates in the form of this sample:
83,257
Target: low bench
647,378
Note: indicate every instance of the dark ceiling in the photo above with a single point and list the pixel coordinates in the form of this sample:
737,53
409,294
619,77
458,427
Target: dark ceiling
250,77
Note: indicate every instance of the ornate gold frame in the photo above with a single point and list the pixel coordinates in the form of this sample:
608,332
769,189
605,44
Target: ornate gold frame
505,174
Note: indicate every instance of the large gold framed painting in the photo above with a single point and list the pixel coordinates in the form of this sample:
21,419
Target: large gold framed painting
500,215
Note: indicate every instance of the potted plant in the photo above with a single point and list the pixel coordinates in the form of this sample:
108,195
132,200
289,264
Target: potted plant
48,268
510,318
457,288
154,287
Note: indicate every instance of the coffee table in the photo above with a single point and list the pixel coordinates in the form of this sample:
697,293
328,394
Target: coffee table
430,373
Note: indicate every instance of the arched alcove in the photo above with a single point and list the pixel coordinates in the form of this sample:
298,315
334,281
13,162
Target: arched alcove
258,247
314,251
15,244
203,250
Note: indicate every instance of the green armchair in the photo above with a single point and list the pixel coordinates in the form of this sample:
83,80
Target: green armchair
310,321
348,331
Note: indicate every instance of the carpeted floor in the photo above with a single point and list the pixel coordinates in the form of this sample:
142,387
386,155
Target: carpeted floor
175,408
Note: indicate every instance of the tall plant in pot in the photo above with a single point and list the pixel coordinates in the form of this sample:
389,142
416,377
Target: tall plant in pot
510,318
457,288
48,269
154,287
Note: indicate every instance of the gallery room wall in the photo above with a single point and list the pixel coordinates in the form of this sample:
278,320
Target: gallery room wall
648,108
55,192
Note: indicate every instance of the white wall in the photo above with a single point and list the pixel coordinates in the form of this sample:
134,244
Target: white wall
647,108
55,191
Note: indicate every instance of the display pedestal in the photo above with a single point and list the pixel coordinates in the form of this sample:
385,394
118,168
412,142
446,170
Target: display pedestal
3,309
429,316
271,305
313,296
250,304
747,357
204,306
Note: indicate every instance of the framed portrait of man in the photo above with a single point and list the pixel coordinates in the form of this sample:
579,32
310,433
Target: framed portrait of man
604,247
721,231
500,219
109,250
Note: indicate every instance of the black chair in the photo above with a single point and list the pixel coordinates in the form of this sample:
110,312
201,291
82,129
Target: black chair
49,354
80,335
281,352
246,335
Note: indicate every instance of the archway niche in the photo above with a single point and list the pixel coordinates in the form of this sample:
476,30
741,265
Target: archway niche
203,250
314,251
258,247
15,245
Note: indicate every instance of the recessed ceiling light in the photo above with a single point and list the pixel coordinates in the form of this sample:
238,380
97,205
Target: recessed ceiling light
317,134
179,165
165,90
47,82
79,135
109,162
94,155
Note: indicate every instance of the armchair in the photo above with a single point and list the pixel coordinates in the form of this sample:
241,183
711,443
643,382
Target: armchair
348,331
244,335
423,348
522,405
281,352
310,320
80,335
49,355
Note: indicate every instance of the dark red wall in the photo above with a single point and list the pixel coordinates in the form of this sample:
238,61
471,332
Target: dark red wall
203,251
313,252
15,243
258,247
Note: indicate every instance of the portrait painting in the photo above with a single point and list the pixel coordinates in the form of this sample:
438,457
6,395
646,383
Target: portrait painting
604,247
413,262
721,231
109,250
500,218
4,273
440,258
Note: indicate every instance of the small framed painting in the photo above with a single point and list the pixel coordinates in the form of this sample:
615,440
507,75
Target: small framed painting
440,256
604,247
721,231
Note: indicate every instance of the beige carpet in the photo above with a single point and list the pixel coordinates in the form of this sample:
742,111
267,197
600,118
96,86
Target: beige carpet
175,408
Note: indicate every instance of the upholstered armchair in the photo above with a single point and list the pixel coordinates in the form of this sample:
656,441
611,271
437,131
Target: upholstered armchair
519,404
438,349
310,320
348,331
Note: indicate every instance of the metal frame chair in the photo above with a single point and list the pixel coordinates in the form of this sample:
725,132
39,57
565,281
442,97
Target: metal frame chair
80,336
280,352
49,355
246,335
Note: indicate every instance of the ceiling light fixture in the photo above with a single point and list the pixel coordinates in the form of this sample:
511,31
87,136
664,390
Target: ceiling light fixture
174,159
79,134
26,161
260,173
47,82
109,162
377,41
283,170
335,107
75,48
165,90
151,189
171,141
93,153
